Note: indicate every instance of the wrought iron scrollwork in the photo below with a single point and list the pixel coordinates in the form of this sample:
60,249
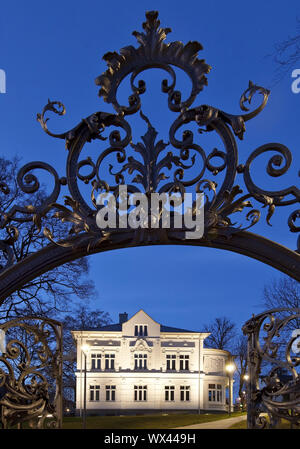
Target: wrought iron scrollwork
152,165
152,52
29,363
184,163
273,363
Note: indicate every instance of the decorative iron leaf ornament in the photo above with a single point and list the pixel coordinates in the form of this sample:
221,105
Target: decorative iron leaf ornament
185,163
152,52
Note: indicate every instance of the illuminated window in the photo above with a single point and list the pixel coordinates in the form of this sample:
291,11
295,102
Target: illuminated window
215,393
171,362
140,393
184,362
140,361
95,361
109,361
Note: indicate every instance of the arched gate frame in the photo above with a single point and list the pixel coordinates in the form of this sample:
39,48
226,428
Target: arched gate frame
142,168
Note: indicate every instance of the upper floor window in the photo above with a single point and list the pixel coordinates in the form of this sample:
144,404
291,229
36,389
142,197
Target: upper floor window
94,392
171,362
184,362
95,361
215,393
140,330
140,361
109,361
140,393
110,393
170,393
184,393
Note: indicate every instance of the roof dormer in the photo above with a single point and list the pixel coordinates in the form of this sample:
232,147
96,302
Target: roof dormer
141,325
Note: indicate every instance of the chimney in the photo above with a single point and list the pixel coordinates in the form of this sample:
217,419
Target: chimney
123,317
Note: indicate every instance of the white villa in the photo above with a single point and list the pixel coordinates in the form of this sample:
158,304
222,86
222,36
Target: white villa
139,365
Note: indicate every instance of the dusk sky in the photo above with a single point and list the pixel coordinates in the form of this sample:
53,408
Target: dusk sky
54,50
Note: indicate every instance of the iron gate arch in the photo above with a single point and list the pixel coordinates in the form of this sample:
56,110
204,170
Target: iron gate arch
149,169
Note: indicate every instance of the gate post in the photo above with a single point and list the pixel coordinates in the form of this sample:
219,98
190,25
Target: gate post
252,385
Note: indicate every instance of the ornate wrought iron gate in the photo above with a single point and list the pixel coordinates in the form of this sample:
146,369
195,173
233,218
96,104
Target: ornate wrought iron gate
31,373
274,368
146,167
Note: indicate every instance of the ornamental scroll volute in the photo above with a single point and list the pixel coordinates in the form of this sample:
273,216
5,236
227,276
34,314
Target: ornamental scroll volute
31,373
274,368
151,164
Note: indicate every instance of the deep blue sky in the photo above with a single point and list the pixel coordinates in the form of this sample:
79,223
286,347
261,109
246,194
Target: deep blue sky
54,50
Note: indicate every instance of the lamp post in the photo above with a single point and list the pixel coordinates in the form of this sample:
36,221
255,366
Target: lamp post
246,378
230,367
84,350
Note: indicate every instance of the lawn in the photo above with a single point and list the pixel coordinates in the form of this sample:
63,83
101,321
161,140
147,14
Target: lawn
157,421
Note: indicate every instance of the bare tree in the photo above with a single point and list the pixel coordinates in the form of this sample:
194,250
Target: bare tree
287,54
241,363
282,292
222,333
52,291
81,319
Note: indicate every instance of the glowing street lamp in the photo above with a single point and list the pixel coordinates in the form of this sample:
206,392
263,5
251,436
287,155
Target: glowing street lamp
230,368
246,378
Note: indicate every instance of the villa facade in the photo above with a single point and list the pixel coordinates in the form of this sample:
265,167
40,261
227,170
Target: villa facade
139,365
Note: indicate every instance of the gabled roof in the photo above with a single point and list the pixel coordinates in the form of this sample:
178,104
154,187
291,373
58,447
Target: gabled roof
145,313
108,328
117,327
174,329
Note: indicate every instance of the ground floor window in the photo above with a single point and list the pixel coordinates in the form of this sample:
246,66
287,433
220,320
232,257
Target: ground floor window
169,393
184,393
110,393
94,392
140,393
215,393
